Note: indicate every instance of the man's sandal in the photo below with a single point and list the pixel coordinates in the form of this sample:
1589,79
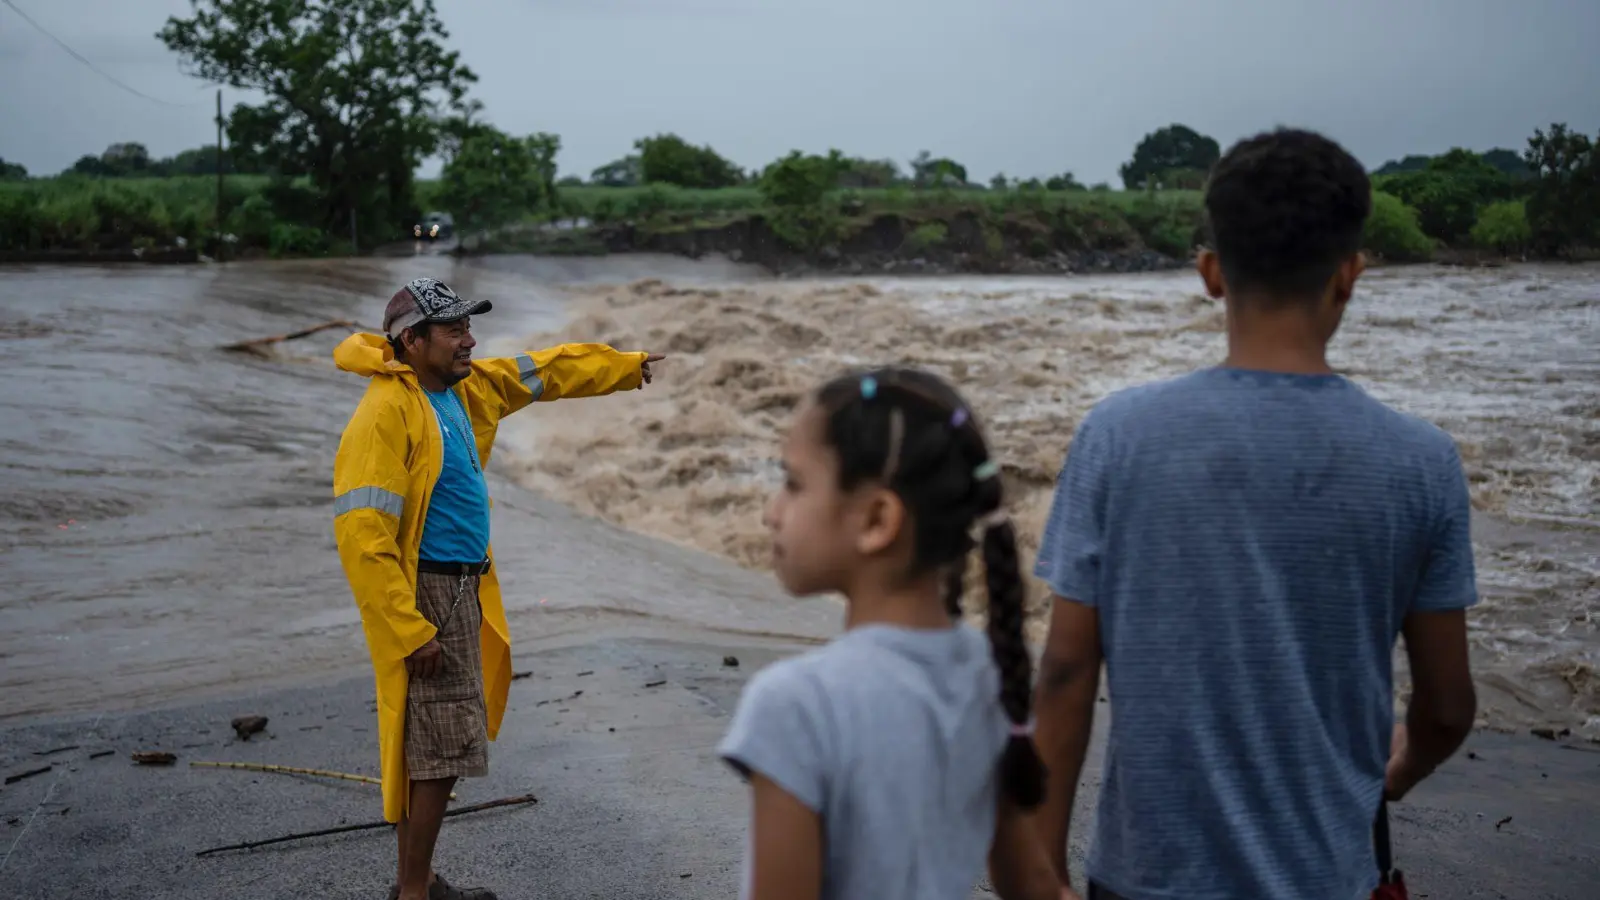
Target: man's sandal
441,890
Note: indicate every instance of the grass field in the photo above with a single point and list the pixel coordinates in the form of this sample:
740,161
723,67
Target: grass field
78,213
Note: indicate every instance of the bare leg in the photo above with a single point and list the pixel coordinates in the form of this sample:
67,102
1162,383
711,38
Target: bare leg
400,833
421,829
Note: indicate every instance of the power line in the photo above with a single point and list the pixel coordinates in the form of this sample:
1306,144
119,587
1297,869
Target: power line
80,58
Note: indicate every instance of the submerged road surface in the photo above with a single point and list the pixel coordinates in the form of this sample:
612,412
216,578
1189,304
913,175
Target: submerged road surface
165,505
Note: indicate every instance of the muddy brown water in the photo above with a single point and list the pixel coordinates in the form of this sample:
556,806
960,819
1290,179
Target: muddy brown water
163,502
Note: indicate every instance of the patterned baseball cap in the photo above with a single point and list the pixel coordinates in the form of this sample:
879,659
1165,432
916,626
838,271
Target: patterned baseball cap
427,300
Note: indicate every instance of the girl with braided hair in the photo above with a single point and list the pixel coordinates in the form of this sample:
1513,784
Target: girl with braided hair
887,763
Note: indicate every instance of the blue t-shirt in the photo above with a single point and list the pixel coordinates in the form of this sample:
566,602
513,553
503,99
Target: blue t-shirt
457,526
1252,542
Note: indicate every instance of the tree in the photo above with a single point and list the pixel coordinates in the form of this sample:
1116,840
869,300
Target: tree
1564,208
1167,149
354,92
462,123
669,159
868,173
1063,182
796,188
127,160
91,166
494,178
545,147
201,160
12,171
800,180
622,172
1509,162
1412,163
929,171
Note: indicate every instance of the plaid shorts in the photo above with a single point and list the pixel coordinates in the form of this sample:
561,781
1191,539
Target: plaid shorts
446,724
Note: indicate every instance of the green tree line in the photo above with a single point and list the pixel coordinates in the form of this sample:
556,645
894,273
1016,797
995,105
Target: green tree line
359,93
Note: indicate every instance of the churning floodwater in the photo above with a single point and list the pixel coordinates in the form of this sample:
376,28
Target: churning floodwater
164,503
1507,360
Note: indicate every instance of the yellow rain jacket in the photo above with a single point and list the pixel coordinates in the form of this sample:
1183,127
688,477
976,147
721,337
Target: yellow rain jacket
388,461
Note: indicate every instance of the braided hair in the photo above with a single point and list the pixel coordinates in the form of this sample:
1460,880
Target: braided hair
913,432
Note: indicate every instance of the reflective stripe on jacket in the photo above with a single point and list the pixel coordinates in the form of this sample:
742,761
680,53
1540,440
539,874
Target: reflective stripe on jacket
388,461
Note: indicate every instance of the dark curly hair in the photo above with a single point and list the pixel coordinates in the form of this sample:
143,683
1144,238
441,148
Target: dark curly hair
913,432
1283,209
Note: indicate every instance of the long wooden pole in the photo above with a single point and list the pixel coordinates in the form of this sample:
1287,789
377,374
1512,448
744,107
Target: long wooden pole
293,770
478,807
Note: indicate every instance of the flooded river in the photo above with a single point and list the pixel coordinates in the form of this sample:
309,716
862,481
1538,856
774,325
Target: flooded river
164,504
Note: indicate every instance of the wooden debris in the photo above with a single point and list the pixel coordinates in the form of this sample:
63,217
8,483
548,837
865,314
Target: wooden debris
244,726
518,676
55,750
256,345
13,779
655,683
154,758
731,662
477,807
102,753
291,770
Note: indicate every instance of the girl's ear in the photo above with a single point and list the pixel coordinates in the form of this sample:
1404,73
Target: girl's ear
879,517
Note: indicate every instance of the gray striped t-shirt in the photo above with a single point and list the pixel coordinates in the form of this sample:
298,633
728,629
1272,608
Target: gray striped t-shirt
1252,542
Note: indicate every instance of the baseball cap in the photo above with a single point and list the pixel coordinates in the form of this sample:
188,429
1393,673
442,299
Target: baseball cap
427,300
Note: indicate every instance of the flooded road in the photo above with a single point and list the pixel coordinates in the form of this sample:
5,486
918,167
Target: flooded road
165,505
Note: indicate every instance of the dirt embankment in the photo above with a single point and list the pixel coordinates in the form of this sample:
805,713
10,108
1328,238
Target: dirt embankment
926,243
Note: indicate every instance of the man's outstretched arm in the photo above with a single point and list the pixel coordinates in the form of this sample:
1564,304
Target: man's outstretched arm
564,372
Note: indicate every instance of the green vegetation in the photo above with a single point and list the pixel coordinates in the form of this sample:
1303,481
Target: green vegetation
357,94
1503,228
1393,231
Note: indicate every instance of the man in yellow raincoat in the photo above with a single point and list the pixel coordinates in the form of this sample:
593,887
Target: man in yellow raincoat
411,518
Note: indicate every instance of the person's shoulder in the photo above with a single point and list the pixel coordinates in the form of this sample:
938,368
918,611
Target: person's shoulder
385,408
384,399
1411,434
1129,406
795,679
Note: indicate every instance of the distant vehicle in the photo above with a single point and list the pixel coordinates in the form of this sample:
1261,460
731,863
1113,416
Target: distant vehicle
434,226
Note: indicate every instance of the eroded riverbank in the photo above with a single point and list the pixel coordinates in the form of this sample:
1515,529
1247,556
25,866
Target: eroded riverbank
1507,360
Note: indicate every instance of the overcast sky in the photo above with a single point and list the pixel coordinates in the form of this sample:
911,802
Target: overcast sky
1024,87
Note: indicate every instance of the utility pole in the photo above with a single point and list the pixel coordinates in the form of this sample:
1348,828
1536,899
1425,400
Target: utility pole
219,163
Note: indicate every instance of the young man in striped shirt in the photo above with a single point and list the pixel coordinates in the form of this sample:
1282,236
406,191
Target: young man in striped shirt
1241,546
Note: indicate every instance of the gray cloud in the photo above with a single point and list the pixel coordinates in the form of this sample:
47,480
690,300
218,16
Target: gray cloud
1020,86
